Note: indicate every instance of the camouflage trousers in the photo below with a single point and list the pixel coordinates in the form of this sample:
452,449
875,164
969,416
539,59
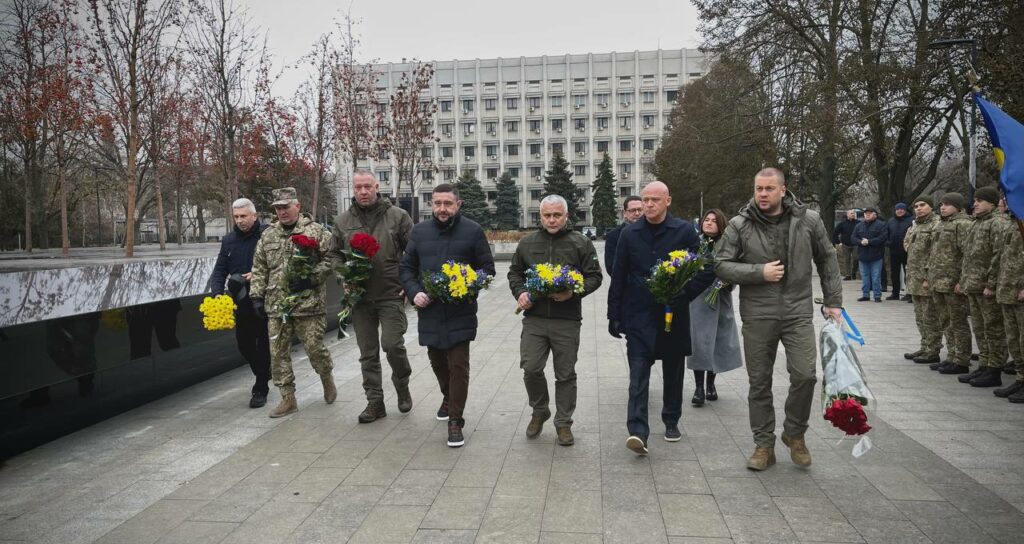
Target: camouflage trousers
310,331
952,311
928,325
1013,325
987,322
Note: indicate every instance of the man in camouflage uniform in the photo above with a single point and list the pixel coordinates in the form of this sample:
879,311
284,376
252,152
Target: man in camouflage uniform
1009,260
943,283
918,243
270,288
978,282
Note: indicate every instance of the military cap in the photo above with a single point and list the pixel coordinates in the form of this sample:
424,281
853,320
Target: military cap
927,199
988,194
284,196
953,199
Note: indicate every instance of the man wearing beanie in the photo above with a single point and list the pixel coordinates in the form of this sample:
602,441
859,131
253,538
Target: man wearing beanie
1010,296
944,268
978,282
871,237
918,245
898,227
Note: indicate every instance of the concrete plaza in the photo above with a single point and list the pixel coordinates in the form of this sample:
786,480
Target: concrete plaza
201,467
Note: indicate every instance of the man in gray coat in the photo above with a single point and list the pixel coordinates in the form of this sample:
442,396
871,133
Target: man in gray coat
767,250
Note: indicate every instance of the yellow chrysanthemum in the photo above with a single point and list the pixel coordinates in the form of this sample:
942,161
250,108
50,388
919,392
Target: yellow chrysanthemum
218,313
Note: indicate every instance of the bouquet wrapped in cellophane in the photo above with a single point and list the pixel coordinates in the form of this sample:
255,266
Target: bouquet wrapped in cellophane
455,283
669,277
844,392
546,279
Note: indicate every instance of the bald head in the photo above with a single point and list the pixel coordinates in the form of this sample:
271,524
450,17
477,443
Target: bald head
769,190
656,200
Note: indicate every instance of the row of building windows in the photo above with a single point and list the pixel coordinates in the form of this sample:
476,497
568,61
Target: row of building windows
535,172
514,150
536,125
625,99
646,80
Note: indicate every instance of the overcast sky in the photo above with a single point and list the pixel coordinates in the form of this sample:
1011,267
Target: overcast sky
468,29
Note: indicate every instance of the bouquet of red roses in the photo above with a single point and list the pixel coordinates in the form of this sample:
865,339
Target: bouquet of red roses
844,391
355,269
301,266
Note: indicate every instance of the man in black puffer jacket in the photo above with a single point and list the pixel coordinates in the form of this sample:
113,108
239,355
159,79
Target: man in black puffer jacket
233,271
446,329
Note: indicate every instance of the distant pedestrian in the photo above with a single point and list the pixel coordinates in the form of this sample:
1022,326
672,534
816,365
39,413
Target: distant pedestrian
842,237
632,210
898,226
871,237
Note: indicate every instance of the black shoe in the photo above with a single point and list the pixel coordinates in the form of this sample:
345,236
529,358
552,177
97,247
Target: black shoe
698,397
863,299
975,356
404,399
847,278
991,377
1004,392
712,393
878,300
672,433
924,359
258,400
937,365
374,410
1011,368
954,368
442,412
1017,398
913,355
455,438
894,296
907,298
966,378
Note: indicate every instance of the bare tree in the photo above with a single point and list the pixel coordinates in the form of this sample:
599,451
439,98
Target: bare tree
353,84
408,125
314,102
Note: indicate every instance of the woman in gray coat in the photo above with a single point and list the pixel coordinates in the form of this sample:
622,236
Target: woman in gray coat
713,335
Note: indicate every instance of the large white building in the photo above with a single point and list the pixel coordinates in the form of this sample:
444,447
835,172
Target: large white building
513,114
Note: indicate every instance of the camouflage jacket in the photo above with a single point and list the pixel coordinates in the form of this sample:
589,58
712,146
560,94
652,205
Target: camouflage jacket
978,271
948,242
1010,263
918,244
273,251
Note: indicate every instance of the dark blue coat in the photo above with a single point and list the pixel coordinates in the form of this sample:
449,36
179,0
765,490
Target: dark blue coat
632,304
878,237
611,241
236,252
431,244
898,228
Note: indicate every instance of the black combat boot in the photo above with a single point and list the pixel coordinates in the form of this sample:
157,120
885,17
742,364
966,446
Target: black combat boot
954,368
966,378
991,377
925,359
1004,392
913,355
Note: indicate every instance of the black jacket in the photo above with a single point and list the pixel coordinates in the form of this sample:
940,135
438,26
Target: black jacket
431,244
235,257
898,228
878,237
631,303
611,241
565,247
843,233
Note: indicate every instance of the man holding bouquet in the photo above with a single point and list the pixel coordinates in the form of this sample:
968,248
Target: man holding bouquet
552,322
634,311
446,329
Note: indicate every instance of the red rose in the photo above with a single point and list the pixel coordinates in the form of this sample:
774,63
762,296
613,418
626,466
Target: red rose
305,242
365,244
848,415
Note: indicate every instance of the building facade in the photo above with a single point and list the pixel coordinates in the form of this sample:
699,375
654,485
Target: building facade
514,114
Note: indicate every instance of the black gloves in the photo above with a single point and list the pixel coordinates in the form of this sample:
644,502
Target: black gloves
614,329
257,306
299,285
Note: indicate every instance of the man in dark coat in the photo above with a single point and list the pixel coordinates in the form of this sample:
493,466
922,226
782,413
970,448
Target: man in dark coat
632,210
872,236
233,272
446,329
842,236
633,311
898,227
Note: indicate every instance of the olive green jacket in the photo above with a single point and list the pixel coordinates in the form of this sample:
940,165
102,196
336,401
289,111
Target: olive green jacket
270,265
947,255
918,243
566,247
391,226
1010,263
980,268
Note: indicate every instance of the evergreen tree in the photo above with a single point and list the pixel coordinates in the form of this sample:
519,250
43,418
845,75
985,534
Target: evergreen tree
474,200
558,181
507,215
603,206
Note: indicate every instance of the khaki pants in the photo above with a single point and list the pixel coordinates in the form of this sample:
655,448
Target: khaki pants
561,338
928,325
389,317
310,331
952,312
987,320
760,346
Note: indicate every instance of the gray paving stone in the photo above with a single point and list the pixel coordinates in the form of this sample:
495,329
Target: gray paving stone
457,508
390,523
520,524
942,522
573,511
275,521
759,529
153,522
444,536
633,527
692,515
894,531
198,532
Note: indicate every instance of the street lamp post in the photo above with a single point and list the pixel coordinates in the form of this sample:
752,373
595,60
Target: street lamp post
971,165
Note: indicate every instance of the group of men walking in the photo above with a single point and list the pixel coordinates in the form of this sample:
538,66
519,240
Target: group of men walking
967,272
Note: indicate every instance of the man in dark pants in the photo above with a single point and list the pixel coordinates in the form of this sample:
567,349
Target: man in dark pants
632,209
768,249
633,311
446,329
552,324
898,227
234,269
842,237
871,236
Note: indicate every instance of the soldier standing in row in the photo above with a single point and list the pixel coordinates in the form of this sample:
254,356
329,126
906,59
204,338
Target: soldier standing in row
978,282
918,243
1009,261
944,269
269,289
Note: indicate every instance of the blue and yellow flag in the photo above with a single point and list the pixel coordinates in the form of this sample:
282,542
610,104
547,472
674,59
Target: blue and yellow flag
1007,136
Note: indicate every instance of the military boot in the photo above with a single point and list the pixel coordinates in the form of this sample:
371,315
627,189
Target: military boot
1004,392
330,391
374,410
966,378
925,359
1017,398
404,399
954,368
762,458
937,365
286,406
991,377
912,355
798,451
536,425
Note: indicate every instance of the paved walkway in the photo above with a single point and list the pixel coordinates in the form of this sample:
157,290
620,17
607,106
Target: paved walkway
199,466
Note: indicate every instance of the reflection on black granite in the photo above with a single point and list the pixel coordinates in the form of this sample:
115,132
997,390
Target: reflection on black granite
145,319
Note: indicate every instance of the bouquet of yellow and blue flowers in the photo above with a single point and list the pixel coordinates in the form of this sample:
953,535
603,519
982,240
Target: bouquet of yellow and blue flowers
546,279
218,313
455,283
668,278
